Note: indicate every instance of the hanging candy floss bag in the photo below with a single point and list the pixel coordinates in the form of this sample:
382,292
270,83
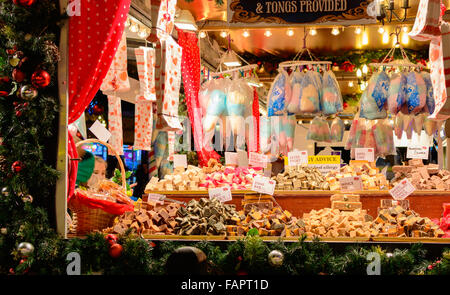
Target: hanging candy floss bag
374,97
293,107
332,98
416,92
397,93
319,130
337,130
276,100
310,101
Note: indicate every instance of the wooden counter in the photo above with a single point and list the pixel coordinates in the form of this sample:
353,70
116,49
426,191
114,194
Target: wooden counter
426,203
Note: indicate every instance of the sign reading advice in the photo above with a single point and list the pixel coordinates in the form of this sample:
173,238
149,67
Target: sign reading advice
325,164
257,12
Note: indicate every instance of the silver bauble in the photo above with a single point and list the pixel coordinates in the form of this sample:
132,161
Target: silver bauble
28,92
276,258
5,191
25,248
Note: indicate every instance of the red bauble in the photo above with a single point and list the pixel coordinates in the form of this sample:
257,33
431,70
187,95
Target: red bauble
115,251
17,166
18,75
25,3
40,79
112,239
18,113
4,93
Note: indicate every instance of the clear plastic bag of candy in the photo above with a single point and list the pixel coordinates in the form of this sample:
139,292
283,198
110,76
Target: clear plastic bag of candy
418,122
337,130
397,93
398,125
319,130
217,103
332,98
318,81
374,97
416,92
296,91
310,101
286,135
276,99
239,97
430,126
384,139
265,131
429,103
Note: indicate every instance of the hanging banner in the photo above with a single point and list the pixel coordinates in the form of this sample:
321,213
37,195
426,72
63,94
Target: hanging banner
285,12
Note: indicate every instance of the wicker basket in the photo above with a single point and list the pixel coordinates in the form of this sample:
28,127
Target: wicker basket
86,219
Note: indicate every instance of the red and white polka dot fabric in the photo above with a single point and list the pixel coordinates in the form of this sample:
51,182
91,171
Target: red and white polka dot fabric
94,37
145,60
166,18
115,124
143,124
426,25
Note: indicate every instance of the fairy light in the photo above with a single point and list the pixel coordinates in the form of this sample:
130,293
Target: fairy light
350,84
405,29
143,33
202,34
245,34
365,38
267,33
381,30
313,32
358,30
365,69
405,38
290,32
335,31
359,73
363,86
223,34
385,37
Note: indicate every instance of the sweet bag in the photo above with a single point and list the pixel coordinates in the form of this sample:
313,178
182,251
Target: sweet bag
374,97
286,135
293,107
332,98
319,130
429,102
337,130
370,137
397,93
384,139
216,104
426,25
416,92
239,95
276,100
418,122
310,100
430,126
398,125
318,81
265,131
352,133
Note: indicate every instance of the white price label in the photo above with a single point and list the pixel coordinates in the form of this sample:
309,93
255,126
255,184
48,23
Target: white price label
365,154
100,131
297,158
263,185
352,183
402,190
179,161
223,194
257,160
157,198
231,158
417,152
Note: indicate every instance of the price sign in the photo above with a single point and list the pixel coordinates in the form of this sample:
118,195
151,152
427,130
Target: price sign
100,131
365,154
231,158
402,190
179,161
156,198
297,158
417,152
257,160
352,183
263,185
223,194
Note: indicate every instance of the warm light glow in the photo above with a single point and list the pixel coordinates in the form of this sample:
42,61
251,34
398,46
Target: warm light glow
405,38
143,33
362,86
365,38
290,32
134,28
313,32
231,60
381,30
358,30
385,37
335,31
223,34
127,23
365,69
394,41
245,34
202,34
267,33
405,29
359,73
350,84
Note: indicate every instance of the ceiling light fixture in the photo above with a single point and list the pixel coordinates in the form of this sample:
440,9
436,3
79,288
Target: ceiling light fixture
358,30
245,34
230,59
381,30
267,33
385,37
335,31
313,32
202,34
186,21
405,38
223,34
365,38
290,32
405,29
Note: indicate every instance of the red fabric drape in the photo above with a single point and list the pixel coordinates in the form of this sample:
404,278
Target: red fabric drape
190,71
255,109
94,37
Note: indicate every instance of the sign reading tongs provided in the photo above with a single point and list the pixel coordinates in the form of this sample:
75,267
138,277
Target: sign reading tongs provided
223,194
263,185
